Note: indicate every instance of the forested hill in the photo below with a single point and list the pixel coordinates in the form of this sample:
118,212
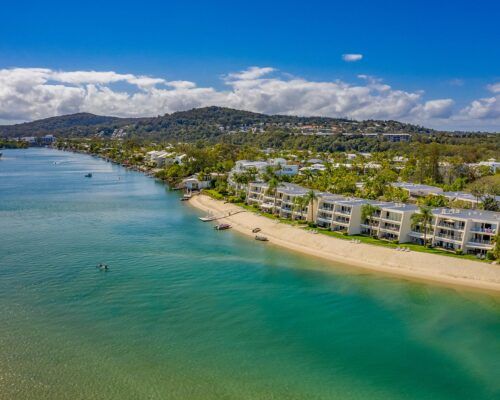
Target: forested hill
195,124
81,124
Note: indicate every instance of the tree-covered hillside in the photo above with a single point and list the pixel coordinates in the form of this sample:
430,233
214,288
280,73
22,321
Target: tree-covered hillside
195,124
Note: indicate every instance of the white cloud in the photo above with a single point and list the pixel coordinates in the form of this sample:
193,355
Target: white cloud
33,93
352,57
495,87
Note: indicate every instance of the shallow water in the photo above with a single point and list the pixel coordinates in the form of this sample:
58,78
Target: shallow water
189,313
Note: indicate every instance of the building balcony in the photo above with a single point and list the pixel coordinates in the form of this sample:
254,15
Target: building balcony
451,227
421,235
449,238
484,231
480,244
389,228
343,212
343,223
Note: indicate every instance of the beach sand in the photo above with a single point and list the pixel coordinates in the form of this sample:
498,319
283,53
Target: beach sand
445,270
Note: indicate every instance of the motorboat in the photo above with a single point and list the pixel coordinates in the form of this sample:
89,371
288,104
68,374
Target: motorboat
261,238
89,175
222,227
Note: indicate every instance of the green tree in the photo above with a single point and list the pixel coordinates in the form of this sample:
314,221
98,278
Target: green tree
311,197
423,219
272,188
367,212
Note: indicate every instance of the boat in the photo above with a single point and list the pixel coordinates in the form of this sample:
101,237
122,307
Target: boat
261,238
256,230
185,197
222,227
89,175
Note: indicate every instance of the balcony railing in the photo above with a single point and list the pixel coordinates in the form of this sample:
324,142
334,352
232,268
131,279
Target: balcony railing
484,230
451,226
449,237
344,212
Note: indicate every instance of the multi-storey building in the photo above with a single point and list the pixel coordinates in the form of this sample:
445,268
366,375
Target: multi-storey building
469,231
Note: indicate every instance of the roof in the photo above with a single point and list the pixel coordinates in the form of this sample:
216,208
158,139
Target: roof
468,214
417,187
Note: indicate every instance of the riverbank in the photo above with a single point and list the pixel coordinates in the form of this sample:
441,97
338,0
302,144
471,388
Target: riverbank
411,265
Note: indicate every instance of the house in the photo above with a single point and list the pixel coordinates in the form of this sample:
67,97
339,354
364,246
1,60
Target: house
396,137
194,183
47,140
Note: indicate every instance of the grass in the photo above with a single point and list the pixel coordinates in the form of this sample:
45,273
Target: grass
392,245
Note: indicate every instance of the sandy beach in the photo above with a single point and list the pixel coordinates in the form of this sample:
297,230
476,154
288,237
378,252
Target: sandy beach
412,265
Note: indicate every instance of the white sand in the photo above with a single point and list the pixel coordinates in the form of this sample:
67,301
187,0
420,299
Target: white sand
414,265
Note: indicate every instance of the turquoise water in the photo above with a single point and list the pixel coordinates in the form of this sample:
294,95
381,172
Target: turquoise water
189,313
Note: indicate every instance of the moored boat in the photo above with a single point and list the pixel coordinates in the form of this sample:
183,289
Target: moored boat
222,227
256,230
261,238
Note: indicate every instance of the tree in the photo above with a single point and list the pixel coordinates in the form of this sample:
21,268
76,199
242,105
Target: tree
496,247
423,219
367,211
490,203
272,187
311,197
478,190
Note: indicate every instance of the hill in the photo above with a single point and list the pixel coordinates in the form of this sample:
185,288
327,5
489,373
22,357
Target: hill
196,124
80,124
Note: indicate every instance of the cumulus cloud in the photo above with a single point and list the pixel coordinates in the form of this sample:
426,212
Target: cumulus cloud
352,57
33,93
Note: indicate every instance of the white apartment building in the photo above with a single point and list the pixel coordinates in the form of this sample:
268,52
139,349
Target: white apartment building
469,231
418,190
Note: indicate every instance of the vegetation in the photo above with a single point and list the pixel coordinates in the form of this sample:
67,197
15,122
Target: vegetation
423,220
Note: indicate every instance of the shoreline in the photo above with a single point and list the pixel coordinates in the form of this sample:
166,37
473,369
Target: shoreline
417,266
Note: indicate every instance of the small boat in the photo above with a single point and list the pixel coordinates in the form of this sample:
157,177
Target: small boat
256,230
102,267
261,238
89,175
222,227
186,197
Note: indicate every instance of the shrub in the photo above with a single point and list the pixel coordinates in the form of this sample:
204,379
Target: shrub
459,252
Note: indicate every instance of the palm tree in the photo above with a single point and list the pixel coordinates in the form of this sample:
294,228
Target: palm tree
367,211
496,247
310,197
272,187
297,205
423,219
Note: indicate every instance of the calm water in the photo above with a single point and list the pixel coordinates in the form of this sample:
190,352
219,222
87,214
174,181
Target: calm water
189,313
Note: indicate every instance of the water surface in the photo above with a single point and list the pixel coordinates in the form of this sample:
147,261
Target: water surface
189,313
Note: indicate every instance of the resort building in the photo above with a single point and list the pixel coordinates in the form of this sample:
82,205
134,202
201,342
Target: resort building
416,190
467,231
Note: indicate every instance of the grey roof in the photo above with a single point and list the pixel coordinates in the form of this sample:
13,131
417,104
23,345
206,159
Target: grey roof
481,215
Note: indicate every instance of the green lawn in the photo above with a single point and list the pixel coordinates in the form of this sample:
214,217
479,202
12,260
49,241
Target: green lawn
384,243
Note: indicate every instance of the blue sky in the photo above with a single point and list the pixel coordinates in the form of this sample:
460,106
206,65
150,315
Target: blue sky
440,50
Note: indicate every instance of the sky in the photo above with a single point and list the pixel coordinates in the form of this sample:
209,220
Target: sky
433,63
